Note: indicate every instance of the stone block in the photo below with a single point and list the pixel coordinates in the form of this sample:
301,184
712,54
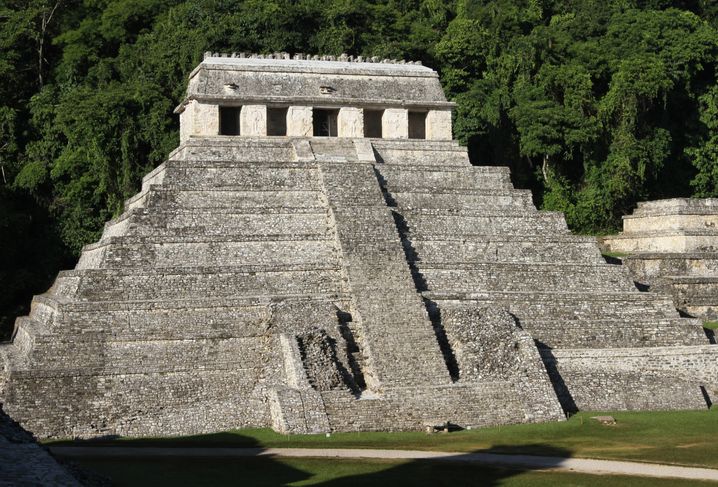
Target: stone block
350,122
438,125
299,121
199,119
395,123
253,120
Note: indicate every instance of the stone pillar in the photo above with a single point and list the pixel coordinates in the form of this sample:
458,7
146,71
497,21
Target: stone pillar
253,120
395,123
438,125
186,123
199,119
350,122
299,122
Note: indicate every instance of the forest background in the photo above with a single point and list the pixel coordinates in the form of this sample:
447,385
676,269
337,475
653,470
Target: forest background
593,104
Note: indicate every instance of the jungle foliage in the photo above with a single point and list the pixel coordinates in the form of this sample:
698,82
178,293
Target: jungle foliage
594,104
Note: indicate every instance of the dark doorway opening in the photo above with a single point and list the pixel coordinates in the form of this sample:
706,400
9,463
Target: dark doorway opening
325,122
417,125
277,121
372,123
229,120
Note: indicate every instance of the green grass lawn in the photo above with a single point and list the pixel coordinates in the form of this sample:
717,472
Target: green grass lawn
711,325
258,472
683,438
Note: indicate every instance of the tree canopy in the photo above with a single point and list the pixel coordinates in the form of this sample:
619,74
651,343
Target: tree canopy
594,104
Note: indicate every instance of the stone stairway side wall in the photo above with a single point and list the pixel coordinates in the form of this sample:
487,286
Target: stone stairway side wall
651,378
398,339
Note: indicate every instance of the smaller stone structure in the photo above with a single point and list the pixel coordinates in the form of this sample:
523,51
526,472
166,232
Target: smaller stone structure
673,247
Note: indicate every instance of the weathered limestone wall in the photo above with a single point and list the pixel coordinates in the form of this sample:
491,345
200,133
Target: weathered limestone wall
636,378
199,119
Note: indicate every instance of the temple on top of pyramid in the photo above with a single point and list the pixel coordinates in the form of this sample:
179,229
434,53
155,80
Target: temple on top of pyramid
318,255
334,97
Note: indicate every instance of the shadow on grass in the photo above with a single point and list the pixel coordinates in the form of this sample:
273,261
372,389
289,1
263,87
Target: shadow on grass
459,470
215,464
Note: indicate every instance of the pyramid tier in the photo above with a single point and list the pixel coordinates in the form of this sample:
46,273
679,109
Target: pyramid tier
248,222
188,282
424,222
510,276
444,178
561,249
208,251
650,265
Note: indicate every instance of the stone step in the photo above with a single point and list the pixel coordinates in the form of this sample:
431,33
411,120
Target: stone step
333,149
703,240
570,306
165,198
161,252
641,222
493,248
689,290
520,277
183,318
236,149
420,152
99,351
676,206
425,223
181,283
411,408
491,200
150,320
230,222
298,176
607,333
438,178
649,266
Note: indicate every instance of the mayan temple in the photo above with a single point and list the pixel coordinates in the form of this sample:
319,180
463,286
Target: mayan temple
319,255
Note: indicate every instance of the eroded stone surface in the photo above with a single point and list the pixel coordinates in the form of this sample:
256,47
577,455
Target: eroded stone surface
485,342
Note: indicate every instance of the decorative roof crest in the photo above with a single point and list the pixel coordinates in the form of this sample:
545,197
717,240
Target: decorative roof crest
308,57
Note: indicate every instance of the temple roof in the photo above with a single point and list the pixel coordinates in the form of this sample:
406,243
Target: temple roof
324,81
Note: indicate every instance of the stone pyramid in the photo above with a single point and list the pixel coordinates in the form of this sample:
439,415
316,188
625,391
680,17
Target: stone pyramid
319,255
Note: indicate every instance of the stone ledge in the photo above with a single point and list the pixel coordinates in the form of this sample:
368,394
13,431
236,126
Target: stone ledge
651,352
209,239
